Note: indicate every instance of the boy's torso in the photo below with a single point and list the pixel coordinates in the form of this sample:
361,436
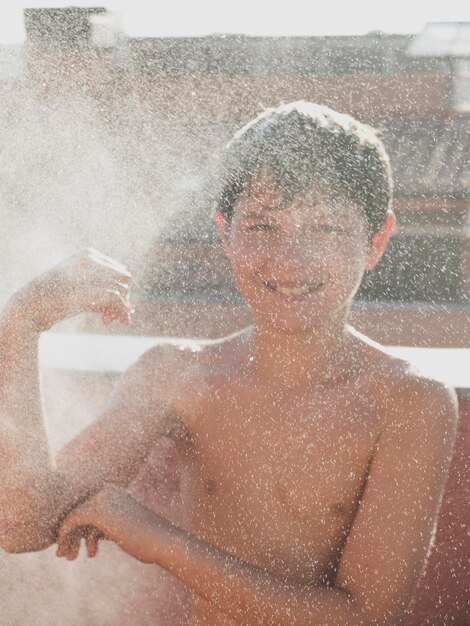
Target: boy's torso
274,475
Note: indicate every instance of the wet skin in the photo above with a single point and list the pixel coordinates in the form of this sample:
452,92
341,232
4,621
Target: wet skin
274,475
297,266
279,451
278,426
312,461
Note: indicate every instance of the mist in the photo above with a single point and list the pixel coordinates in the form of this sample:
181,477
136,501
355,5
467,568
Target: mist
117,147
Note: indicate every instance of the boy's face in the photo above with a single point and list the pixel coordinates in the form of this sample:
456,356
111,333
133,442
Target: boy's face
299,263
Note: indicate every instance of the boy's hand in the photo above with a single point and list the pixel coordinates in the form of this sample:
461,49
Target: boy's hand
88,281
110,514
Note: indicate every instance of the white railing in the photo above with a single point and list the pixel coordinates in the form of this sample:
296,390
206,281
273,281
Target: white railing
115,353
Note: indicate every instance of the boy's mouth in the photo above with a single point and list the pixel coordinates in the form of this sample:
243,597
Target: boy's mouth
293,291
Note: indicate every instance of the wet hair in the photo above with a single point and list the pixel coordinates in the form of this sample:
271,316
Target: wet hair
301,145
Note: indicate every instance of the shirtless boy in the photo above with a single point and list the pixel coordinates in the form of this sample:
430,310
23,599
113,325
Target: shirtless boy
313,462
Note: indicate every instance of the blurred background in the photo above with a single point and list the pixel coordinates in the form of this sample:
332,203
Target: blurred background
112,121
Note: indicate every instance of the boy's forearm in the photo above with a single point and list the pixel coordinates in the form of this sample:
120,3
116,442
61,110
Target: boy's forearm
20,393
245,593
28,482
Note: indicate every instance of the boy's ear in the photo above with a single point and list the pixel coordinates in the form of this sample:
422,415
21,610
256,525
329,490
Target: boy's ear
380,241
222,228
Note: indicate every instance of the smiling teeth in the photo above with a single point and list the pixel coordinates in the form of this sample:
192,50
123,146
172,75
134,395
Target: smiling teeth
293,291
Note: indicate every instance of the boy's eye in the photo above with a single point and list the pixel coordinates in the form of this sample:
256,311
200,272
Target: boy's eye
260,227
328,228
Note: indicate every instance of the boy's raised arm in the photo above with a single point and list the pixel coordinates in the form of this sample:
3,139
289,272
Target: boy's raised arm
29,487
35,490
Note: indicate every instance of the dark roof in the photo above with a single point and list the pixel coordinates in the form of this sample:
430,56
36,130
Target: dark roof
376,53
429,156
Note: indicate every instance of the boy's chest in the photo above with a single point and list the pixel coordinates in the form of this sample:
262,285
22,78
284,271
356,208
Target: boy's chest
307,434
265,462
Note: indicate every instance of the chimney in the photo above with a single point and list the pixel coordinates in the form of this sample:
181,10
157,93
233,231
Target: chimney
68,27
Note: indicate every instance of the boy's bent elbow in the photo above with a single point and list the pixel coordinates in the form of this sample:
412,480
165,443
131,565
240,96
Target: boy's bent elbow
30,512
16,538
21,546
25,529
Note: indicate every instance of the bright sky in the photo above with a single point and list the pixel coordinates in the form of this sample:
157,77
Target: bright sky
148,18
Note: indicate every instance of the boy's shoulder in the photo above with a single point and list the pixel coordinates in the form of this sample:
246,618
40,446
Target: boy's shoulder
187,359
404,392
187,369
184,374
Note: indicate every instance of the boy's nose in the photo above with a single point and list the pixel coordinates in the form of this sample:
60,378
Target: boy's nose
292,253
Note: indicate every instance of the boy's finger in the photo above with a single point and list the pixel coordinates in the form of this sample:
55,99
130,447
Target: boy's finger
108,261
73,546
62,541
68,543
92,540
116,307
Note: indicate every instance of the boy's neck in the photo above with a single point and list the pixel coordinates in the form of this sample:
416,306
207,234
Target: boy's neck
317,355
